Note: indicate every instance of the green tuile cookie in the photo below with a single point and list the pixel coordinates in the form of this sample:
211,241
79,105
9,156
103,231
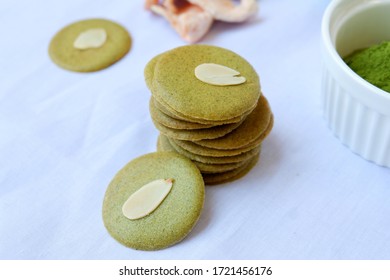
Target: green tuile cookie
230,176
254,128
204,168
173,82
65,55
173,219
213,160
171,122
196,134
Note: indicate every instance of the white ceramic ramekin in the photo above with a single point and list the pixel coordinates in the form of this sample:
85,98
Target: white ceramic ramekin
357,112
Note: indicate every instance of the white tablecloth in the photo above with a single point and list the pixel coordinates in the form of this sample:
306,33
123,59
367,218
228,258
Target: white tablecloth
64,135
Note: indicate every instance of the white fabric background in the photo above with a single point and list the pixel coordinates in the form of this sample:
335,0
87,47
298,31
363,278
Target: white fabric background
64,135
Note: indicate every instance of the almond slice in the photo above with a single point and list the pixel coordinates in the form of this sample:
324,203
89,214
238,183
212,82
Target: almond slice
146,199
92,38
219,75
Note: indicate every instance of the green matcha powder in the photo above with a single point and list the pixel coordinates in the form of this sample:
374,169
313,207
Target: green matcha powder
372,64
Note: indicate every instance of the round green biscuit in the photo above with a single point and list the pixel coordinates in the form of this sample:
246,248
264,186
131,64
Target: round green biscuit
175,83
211,159
170,122
196,148
166,109
254,126
211,168
63,53
211,152
160,104
196,134
244,138
173,219
232,175
205,168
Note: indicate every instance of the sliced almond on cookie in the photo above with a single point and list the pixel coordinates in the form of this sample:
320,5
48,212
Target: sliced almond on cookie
219,75
146,199
92,38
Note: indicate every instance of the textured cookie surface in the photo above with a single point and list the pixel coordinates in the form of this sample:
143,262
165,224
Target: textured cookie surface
175,83
65,55
176,215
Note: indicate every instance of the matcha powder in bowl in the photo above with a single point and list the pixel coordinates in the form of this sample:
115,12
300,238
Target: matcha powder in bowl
372,64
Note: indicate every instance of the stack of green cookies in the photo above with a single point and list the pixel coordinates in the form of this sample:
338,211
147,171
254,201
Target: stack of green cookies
217,118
